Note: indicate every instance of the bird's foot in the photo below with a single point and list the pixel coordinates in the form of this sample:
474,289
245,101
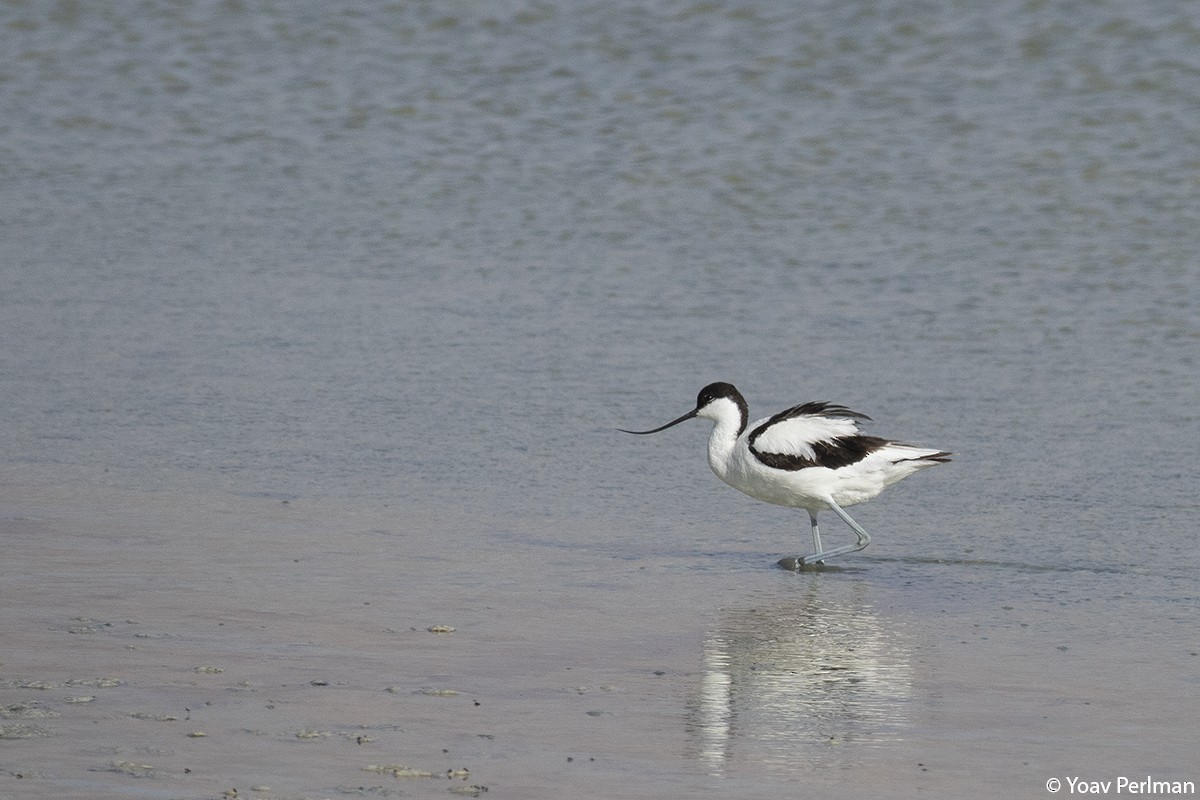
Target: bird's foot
799,563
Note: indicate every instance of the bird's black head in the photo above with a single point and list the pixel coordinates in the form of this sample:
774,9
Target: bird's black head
716,391
724,391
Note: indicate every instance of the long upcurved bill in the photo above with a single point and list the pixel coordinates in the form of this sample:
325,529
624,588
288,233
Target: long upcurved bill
684,418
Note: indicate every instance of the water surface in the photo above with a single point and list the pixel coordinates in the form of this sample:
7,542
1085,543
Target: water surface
407,266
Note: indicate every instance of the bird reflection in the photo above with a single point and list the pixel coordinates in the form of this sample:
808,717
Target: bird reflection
802,684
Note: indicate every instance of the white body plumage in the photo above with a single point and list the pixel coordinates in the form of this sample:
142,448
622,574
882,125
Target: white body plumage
733,461
811,456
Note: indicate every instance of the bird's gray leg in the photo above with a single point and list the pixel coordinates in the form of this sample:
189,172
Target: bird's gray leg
864,538
798,562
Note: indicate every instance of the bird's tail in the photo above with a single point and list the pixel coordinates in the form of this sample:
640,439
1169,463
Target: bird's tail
934,456
919,457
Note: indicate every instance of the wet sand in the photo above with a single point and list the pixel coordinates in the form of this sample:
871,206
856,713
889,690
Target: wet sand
191,646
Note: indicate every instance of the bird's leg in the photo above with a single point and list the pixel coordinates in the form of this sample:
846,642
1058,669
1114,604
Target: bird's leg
864,538
798,562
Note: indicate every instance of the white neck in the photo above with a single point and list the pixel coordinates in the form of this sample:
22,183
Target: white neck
728,420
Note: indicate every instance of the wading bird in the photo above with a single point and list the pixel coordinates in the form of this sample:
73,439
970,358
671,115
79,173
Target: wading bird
810,456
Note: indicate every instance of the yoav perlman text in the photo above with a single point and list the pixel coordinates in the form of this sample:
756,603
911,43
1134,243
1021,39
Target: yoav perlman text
1121,785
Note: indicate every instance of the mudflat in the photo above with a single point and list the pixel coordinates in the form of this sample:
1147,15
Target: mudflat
168,644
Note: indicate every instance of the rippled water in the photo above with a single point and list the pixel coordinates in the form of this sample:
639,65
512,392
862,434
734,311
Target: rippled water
419,256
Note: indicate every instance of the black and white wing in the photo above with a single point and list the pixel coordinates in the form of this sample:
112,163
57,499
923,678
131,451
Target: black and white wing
812,435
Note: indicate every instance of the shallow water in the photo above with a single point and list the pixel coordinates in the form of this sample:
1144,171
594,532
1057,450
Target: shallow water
407,266
173,645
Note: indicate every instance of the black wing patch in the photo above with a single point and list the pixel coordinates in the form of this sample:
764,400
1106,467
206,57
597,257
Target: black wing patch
840,451
811,409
